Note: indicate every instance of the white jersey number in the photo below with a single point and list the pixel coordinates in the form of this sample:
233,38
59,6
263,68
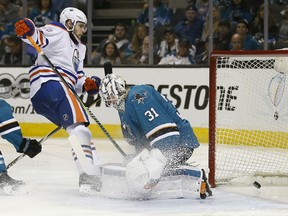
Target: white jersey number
152,114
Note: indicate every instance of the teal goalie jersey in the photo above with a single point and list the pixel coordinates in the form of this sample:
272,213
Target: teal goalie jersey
151,121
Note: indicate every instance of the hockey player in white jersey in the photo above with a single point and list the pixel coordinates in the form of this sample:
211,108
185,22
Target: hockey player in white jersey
162,138
62,45
11,131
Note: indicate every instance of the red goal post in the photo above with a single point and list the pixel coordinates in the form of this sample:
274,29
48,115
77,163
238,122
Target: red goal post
248,114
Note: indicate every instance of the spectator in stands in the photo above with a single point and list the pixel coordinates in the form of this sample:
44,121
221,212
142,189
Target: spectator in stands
191,27
237,11
8,30
250,42
237,42
162,14
216,21
135,46
13,51
44,13
221,41
182,57
254,6
257,28
119,38
41,15
283,30
111,54
9,12
222,5
222,37
202,6
168,46
143,57
205,34
203,58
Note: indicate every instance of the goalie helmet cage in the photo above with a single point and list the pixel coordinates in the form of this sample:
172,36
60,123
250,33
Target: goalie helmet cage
248,115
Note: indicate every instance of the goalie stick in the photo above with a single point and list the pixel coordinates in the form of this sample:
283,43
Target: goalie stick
45,138
108,68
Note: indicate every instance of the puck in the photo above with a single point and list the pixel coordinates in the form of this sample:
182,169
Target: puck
256,184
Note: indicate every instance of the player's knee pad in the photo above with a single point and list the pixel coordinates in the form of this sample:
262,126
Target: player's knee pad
81,132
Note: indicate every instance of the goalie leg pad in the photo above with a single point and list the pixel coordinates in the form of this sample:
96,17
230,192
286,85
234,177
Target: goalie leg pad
182,182
194,174
145,170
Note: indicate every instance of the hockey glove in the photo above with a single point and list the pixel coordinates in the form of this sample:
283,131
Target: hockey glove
24,27
92,84
30,147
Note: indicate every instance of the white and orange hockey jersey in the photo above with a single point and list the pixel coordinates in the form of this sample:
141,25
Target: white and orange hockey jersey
64,53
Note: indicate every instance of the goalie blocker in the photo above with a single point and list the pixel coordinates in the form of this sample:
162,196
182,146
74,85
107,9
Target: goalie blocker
184,181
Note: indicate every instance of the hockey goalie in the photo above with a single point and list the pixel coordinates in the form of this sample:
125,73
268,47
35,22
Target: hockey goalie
163,140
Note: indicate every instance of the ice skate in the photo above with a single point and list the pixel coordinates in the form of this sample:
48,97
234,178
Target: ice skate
8,184
89,184
204,187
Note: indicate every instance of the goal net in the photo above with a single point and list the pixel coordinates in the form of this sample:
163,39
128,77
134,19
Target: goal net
248,115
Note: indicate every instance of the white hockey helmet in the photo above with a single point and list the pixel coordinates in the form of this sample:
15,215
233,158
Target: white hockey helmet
113,91
73,14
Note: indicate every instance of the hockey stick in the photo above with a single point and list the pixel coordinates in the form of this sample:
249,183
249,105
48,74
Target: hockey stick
38,49
43,139
107,68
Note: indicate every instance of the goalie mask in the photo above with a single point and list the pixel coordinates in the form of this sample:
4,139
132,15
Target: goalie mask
73,14
113,91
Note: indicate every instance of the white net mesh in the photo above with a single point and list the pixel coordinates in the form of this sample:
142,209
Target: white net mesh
251,118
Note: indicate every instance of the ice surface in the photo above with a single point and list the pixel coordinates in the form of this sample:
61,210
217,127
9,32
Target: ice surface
52,189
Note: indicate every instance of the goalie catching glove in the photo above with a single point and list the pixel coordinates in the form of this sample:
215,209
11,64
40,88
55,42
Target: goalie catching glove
145,170
91,85
24,27
30,147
